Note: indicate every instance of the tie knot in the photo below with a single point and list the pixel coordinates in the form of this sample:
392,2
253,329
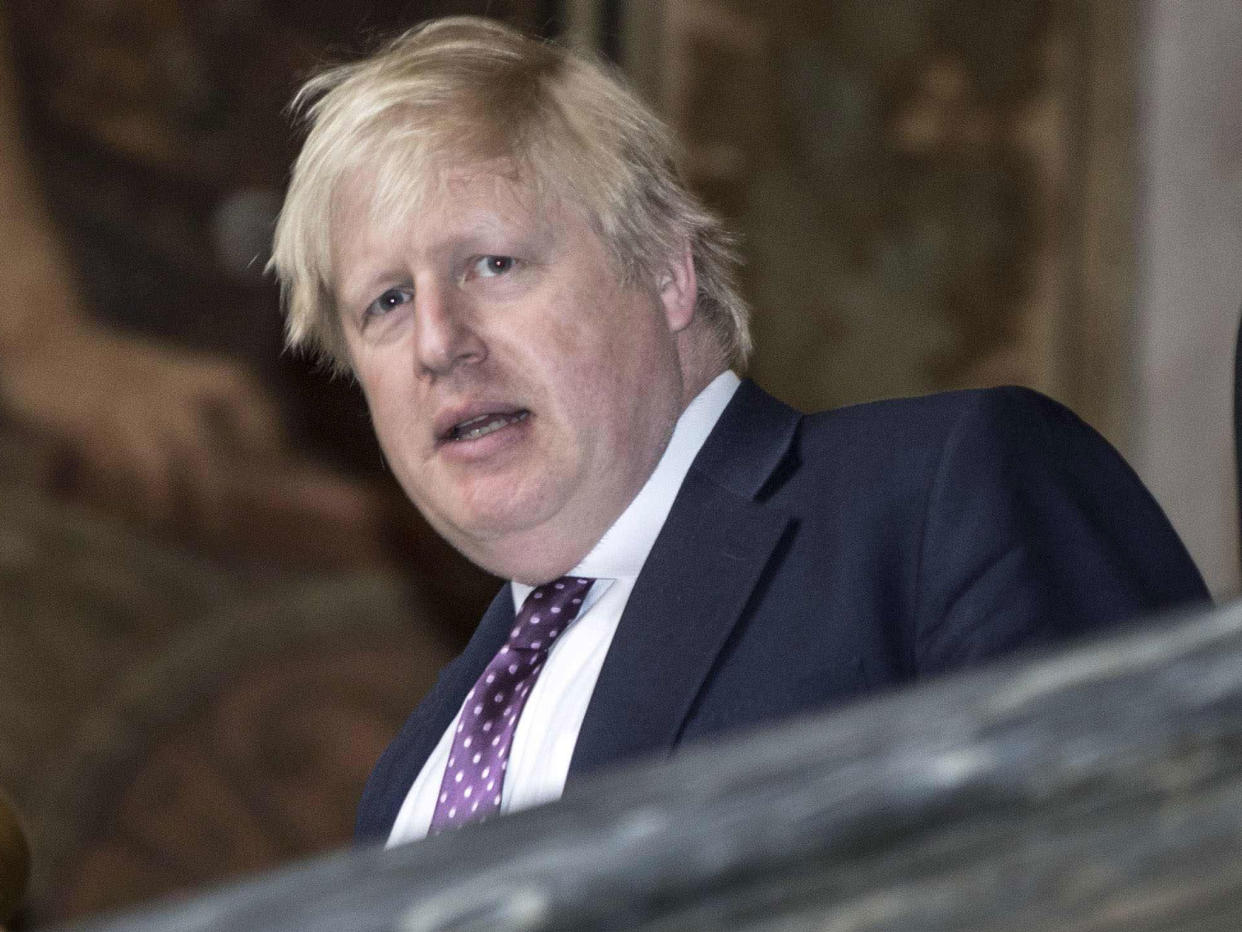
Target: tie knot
547,611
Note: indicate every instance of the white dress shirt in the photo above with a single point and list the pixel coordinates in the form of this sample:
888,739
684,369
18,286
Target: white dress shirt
547,730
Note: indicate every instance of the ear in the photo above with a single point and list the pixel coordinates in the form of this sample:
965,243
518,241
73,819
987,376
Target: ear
679,290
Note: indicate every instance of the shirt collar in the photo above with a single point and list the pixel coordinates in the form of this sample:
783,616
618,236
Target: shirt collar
623,549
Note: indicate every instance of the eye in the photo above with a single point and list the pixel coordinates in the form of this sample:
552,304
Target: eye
390,300
492,266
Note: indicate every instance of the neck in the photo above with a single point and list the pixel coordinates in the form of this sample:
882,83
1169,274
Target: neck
701,361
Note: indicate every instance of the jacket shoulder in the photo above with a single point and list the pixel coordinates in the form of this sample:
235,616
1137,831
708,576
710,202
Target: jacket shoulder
932,414
990,424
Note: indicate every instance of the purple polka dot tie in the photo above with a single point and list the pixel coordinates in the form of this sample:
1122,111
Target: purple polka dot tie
479,757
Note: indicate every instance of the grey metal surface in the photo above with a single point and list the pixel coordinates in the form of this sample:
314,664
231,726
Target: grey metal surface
1097,789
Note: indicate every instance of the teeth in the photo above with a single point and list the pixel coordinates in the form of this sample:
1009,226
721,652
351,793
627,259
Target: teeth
485,424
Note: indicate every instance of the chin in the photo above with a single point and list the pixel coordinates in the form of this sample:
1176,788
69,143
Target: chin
515,529
526,567
530,554
488,536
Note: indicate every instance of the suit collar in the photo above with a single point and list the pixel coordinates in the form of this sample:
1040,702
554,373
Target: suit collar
750,442
694,588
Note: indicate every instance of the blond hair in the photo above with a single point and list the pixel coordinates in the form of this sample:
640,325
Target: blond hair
473,87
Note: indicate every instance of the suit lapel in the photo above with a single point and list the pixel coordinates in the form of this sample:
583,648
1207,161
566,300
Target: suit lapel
694,587
462,673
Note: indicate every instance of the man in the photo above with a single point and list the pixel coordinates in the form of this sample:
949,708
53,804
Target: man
488,233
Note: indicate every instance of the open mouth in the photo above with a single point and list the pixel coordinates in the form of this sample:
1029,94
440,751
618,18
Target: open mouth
484,424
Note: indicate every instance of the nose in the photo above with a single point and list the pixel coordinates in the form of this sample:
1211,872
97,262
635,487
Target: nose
445,336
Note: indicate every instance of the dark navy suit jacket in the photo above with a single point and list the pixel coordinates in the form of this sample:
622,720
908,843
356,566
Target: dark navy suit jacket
809,560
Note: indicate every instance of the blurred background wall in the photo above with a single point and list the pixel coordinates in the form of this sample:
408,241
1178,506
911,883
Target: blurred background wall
1188,277
211,622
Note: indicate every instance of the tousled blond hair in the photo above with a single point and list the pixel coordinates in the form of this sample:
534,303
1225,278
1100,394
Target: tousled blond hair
475,88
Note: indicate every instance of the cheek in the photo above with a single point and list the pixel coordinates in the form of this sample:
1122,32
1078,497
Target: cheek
588,375
621,382
391,402
380,398
604,331
555,347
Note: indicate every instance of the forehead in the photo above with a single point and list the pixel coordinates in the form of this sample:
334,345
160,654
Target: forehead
443,200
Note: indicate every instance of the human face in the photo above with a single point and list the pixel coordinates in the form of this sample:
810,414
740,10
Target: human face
521,393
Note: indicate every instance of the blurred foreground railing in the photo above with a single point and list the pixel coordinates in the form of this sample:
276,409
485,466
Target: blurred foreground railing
1097,789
